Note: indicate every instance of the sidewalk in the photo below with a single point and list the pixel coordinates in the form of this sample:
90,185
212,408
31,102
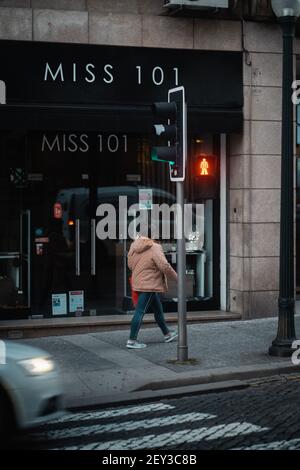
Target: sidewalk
98,369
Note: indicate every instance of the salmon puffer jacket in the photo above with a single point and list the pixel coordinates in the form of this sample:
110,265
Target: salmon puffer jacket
149,266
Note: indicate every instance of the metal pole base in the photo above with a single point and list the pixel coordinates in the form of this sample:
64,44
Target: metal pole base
190,362
286,334
182,353
281,349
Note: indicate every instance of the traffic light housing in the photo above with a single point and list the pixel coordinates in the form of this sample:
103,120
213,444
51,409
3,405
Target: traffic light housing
170,133
206,176
165,133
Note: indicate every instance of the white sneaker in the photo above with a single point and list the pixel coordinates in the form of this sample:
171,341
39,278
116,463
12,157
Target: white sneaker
171,336
131,344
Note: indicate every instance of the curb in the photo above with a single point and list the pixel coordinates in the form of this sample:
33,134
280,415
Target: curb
209,381
150,395
210,376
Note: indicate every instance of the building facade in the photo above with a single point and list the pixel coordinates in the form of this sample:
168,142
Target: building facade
77,80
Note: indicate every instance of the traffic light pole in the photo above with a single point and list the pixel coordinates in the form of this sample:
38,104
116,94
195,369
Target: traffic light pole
172,149
182,349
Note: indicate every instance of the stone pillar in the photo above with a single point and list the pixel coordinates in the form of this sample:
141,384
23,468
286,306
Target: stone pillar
254,178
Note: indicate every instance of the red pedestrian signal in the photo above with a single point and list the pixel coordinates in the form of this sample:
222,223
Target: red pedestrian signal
205,165
205,172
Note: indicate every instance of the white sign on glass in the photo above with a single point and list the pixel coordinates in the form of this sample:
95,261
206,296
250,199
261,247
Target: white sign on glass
76,301
59,304
145,199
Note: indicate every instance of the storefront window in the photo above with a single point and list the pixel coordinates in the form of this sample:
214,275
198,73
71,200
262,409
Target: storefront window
57,189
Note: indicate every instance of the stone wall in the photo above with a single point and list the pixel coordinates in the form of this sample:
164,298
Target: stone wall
123,22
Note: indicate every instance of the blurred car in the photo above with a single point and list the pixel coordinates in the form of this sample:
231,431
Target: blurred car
31,392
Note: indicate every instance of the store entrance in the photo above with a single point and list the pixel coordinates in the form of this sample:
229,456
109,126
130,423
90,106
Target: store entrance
74,271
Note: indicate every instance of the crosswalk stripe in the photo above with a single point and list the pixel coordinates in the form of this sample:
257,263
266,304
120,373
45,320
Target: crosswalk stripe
175,438
111,413
276,445
123,427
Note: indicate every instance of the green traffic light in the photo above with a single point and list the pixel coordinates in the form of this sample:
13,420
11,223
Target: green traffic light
163,154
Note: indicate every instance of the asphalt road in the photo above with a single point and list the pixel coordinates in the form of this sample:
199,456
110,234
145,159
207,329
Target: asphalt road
266,415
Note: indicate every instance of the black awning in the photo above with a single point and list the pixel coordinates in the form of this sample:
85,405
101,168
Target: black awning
113,118
90,87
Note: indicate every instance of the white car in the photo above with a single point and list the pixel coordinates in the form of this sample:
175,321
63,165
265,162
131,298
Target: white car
31,392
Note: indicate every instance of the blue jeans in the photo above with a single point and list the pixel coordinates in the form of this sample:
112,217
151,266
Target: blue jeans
147,300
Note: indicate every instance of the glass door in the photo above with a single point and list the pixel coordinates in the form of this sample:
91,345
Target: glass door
60,188
70,179
15,231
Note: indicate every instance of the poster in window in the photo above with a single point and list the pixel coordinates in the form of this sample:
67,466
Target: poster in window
59,304
76,301
145,199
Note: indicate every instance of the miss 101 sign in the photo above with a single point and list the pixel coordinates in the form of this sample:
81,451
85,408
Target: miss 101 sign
82,142
78,74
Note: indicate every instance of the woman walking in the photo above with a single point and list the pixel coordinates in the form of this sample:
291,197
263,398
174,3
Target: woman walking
150,269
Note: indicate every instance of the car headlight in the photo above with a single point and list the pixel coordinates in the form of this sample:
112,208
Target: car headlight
38,365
